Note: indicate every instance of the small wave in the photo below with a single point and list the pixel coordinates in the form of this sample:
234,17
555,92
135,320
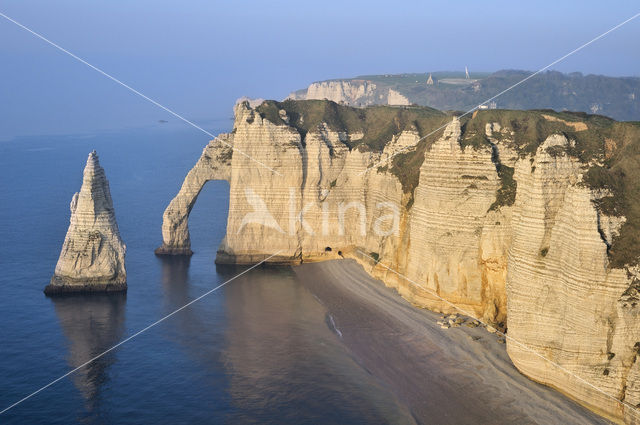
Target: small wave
332,325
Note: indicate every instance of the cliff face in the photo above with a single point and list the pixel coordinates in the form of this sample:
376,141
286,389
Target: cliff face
565,302
352,92
92,256
616,97
492,215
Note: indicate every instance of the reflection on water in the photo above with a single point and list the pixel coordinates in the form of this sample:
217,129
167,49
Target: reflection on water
175,277
196,328
286,366
263,340
92,324
258,350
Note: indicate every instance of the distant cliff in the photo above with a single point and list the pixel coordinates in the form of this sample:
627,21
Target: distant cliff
352,92
616,97
529,220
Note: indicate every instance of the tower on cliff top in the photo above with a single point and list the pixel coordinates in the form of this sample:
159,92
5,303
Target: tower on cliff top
430,80
466,73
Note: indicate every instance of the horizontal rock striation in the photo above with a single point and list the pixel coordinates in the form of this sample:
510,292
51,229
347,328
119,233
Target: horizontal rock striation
352,92
92,256
492,215
564,300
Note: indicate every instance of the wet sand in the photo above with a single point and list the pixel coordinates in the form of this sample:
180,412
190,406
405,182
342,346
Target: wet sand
445,376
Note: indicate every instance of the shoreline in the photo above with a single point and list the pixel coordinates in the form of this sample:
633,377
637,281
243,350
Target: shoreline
457,375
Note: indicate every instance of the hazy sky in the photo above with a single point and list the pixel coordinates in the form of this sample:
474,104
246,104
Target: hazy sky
198,56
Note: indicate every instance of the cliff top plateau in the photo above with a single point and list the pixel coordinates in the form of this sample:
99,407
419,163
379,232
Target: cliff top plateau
617,97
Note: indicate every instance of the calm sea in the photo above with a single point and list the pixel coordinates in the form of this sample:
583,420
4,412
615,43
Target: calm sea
259,350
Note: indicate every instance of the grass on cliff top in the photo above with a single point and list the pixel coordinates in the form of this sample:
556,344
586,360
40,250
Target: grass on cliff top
620,173
615,145
531,128
406,165
377,123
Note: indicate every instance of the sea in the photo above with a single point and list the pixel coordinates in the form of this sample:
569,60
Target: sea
260,350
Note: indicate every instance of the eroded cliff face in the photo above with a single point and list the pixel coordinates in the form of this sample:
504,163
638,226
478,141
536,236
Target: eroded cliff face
92,255
506,231
564,301
352,92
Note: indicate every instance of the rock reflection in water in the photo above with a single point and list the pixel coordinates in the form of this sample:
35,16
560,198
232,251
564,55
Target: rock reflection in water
263,340
175,279
194,328
92,323
197,330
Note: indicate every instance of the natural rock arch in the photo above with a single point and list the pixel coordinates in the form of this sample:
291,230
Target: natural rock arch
214,164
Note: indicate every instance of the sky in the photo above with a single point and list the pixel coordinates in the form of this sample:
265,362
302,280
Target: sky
197,57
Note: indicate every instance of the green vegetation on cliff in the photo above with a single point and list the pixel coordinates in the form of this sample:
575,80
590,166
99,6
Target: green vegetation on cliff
609,149
531,128
620,174
378,124
506,194
617,97
406,165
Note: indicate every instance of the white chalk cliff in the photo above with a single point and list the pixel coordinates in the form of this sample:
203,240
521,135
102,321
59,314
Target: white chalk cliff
92,256
351,92
537,262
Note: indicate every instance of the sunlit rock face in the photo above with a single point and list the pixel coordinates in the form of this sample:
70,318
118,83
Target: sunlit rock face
534,262
92,256
357,92
214,164
352,92
566,308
